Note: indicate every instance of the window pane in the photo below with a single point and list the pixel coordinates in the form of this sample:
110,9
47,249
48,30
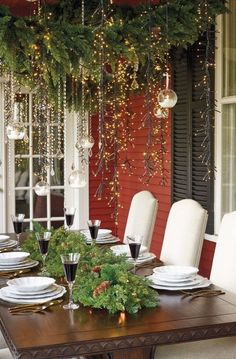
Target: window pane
22,202
40,206
229,51
58,167
22,172
228,195
57,203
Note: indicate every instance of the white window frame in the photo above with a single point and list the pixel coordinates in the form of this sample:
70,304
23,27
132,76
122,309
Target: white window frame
220,100
78,198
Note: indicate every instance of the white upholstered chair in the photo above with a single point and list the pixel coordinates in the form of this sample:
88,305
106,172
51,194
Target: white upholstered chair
184,233
142,216
223,275
5,354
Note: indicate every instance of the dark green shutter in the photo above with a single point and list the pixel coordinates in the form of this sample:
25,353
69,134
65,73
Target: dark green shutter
188,171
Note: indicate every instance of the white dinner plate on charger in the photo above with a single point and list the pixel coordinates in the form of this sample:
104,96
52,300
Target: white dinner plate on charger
29,264
11,294
8,244
101,232
31,301
143,258
203,284
51,288
198,279
124,249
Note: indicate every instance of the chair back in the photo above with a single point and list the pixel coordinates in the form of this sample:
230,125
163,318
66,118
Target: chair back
142,216
184,233
224,261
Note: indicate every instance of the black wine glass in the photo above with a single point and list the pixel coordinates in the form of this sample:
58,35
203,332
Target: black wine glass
135,242
17,221
70,215
94,226
70,262
43,242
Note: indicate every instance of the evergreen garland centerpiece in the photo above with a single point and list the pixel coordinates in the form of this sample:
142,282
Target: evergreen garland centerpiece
103,279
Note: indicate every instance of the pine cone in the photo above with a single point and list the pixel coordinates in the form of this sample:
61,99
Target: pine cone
96,269
101,288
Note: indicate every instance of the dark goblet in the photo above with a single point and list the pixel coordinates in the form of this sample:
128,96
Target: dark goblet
43,242
70,215
70,262
135,243
94,226
17,221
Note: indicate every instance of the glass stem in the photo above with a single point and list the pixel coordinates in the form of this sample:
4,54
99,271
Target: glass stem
70,285
18,240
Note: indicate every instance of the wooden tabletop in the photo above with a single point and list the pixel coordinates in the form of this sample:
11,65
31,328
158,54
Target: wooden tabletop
62,334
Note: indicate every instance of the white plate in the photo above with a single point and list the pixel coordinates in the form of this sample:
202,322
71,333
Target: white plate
29,264
124,249
54,291
112,239
13,257
8,244
203,284
143,258
198,279
175,272
31,301
101,232
31,284
51,288
3,238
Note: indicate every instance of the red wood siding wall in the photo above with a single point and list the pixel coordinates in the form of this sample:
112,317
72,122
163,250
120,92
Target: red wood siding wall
132,184
98,208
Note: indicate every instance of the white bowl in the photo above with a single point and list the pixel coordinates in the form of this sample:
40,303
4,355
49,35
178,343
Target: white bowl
30,284
175,271
13,257
4,238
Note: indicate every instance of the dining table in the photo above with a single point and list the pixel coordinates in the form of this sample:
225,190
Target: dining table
96,334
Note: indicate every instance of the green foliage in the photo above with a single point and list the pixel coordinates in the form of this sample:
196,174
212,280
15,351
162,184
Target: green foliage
57,43
97,268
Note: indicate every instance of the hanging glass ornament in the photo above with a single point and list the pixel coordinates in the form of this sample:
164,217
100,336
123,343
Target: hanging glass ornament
167,98
59,154
42,188
86,141
160,112
77,179
15,131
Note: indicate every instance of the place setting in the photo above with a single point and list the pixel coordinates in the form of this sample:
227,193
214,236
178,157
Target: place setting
97,234
135,251
33,294
6,243
16,261
174,278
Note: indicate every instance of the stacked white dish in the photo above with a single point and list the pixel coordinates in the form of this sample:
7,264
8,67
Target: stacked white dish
104,236
11,261
173,277
31,290
6,242
144,255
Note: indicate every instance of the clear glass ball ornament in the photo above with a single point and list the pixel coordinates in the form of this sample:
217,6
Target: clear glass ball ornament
167,98
41,188
77,179
86,141
15,131
160,112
